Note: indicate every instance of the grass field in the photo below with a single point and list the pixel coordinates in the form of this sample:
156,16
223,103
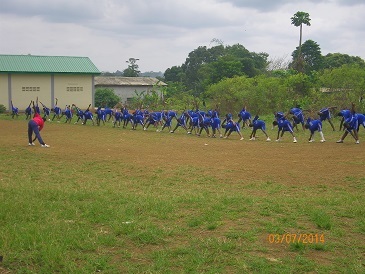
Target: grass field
112,200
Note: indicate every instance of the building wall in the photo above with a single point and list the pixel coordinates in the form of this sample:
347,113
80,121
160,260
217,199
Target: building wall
69,89
128,92
73,89
4,94
26,87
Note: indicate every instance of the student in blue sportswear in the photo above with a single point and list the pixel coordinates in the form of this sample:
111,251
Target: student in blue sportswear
351,124
231,126
28,111
344,114
283,126
46,111
325,114
297,116
117,117
258,124
68,114
181,122
88,116
100,116
245,117
57,111
313,126
137,119
360,120
14,110
79,113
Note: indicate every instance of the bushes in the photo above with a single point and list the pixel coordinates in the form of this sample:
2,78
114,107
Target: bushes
106,97
2,109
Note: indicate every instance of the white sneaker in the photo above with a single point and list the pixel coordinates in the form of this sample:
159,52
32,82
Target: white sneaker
171,131
45,145
339,141
295,140
311,141
241,138
322,141
268,139
31,144
252,139
277,140
357,142
144,128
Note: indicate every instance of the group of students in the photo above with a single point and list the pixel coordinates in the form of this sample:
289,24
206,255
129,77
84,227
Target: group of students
195,121
350,123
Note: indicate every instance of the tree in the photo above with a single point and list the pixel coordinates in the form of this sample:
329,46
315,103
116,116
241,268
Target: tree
336,60
225,67
312,56
174,74
299,83
106,97
205,66
298,20
195,60
132,70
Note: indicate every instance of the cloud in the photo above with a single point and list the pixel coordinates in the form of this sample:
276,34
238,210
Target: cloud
55,10
162,33
263,5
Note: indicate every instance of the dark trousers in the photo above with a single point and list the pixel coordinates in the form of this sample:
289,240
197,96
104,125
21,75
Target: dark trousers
33,127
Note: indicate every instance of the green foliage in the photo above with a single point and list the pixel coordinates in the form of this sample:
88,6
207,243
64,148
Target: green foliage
132,70
311,54
299,83
106,97
282,90
300,18
151,100
216,75
174,74
230,94
347,84
205,66
336,60
261,94
223,68
183,101
2,109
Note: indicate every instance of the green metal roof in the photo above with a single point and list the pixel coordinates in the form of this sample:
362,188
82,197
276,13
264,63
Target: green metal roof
46,64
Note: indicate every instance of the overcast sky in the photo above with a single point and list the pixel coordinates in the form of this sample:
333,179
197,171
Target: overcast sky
161,33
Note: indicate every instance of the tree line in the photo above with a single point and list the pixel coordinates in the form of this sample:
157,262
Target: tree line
230,76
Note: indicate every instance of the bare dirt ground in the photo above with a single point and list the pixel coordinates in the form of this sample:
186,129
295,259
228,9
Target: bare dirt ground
287,162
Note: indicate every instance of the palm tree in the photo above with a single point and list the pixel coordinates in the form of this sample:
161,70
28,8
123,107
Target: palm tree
298,20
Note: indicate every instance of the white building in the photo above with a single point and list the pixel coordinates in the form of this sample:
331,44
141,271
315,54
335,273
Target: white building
126,87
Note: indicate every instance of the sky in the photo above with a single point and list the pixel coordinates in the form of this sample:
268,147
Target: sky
162,33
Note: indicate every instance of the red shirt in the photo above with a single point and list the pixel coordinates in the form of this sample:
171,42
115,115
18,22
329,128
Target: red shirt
38,119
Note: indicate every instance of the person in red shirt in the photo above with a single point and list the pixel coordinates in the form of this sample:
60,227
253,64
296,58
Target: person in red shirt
36,125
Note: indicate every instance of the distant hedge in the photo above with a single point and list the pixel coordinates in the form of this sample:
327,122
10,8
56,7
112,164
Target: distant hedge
2,109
